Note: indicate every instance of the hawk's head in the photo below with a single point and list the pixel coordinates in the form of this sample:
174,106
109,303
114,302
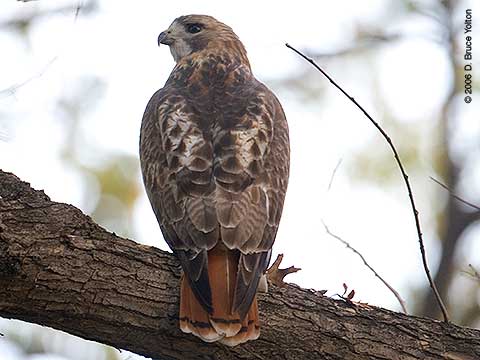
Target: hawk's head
193,33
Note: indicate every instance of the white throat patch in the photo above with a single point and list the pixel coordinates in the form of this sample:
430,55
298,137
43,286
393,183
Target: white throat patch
179,49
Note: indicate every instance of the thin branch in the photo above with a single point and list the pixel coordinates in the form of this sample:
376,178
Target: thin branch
79,7
334,173
405,178
394,292
439,19
455,196
474,272
14,88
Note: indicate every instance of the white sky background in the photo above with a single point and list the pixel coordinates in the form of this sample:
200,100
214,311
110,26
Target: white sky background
119,45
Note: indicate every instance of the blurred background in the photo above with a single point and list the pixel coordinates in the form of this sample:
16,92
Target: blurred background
75,77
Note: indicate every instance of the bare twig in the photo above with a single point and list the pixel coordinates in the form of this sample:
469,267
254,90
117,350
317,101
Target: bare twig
405,178
13,88
79,7
394,292
333,174
474,272
455,196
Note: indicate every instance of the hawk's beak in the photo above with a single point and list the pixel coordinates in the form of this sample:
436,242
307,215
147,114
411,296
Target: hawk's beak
165,38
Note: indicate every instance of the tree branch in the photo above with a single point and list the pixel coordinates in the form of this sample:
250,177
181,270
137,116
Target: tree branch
60,269
455,196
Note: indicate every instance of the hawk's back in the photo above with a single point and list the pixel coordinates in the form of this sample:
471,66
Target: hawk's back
214,152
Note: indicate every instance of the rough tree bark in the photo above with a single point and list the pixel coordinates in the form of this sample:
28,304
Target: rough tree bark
60,269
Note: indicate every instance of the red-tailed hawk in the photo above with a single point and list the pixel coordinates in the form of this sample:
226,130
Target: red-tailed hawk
214,153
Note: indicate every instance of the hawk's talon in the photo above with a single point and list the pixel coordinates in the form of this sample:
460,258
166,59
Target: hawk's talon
276,275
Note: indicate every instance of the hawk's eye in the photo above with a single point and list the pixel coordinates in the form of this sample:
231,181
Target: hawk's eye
194,28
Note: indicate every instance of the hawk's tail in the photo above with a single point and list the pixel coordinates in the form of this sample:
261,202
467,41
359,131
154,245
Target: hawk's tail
222,324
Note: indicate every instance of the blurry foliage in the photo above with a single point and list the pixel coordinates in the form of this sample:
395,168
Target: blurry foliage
114,176
374,164
29,344
119,191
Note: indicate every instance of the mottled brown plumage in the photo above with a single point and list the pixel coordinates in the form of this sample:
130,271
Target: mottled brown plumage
214,153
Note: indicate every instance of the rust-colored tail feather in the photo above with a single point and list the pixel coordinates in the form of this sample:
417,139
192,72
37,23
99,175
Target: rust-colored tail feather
222,324
250,329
